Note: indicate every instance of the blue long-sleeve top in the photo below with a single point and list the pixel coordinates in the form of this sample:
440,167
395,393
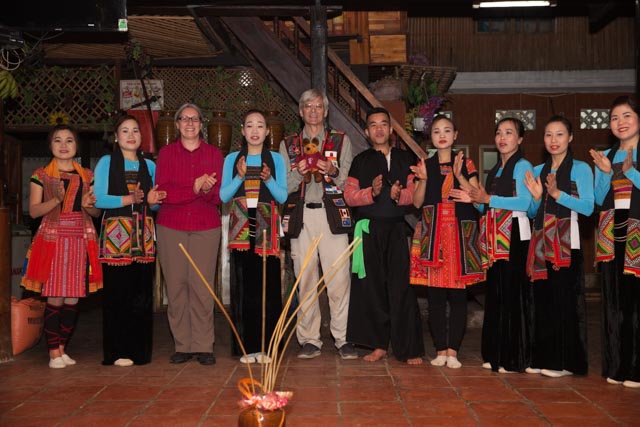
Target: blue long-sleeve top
603,180
101,186
230,184
582,175
522,199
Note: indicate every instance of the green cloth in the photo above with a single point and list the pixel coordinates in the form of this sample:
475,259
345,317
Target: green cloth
357,265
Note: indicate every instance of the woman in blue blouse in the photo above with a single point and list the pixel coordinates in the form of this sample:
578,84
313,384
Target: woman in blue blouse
254,179
505,233
124,188
617,191
562,188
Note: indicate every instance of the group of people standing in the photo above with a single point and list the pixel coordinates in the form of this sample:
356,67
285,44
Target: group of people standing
519,233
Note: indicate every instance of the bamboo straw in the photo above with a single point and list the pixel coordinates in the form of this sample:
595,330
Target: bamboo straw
219,303
269,381
264,300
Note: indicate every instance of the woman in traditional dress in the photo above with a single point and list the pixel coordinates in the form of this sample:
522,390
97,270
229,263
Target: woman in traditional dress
445,255
617,192
124,189
188,171
62,263
505,233
254,179
562,188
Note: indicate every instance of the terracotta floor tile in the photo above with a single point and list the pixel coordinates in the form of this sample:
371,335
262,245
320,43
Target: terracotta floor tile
314,394
95,421
422,394
221,421
128,392
422,381
371,408
177,408
328,391
373,381
313,421
7,406
457,421
44,409
367,393
585,422
29,422
488,393
109,407
18,394
314,408
437,408
568,410
492,381
387,421
165,421
502,409
545,395
513,421
76,394
225,407
189,393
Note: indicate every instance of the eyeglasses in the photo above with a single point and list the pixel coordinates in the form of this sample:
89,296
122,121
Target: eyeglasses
316,106
185,119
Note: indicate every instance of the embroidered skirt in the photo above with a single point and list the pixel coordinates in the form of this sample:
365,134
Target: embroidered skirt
60,267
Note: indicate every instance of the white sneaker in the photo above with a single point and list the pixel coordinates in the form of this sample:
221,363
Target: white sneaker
631,384
249,358
57,363
67,360
501,370
555,374
614,382
262,358
486,365
439,361
123,362
453,362
532,370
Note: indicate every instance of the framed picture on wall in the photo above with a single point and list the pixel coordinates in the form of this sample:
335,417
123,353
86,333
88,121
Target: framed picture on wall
132,95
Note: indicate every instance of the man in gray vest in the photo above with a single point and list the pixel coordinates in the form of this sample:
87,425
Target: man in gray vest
332,169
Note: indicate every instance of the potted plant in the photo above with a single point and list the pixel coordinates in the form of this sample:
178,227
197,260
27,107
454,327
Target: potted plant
423,102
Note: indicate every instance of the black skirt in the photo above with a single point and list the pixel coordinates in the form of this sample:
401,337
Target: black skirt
508,313
127,314
620,313
560,336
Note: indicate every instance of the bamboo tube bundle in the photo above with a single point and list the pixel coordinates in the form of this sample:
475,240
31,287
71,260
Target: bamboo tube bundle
275,352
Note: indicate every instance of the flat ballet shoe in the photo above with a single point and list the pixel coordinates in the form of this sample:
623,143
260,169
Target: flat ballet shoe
453,362
67,360
123,362
439,361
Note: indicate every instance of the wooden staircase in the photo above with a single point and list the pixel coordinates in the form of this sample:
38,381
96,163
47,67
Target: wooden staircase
283,48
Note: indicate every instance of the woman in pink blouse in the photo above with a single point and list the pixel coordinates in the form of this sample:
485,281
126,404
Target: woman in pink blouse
188,171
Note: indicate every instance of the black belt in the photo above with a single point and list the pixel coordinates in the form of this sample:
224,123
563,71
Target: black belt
314,205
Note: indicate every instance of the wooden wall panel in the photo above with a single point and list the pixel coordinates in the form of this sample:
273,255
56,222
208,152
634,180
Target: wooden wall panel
455,42
475,120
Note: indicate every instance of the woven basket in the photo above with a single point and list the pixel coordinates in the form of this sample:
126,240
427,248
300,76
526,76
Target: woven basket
27,321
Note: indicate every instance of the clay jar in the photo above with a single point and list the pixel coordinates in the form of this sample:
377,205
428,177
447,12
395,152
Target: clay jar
219,131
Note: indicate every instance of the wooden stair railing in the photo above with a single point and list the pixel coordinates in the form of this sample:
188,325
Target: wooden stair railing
341,69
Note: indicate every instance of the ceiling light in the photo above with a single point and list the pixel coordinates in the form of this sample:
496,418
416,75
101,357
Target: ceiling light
515,3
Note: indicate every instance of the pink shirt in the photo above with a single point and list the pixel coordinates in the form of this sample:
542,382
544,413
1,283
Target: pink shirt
177,169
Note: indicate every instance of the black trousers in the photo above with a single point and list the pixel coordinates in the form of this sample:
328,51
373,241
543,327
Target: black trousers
447,331
127,313
508,313
383,307
560,337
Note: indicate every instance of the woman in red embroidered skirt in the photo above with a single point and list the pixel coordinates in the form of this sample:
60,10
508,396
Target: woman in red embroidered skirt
445,255
62,263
